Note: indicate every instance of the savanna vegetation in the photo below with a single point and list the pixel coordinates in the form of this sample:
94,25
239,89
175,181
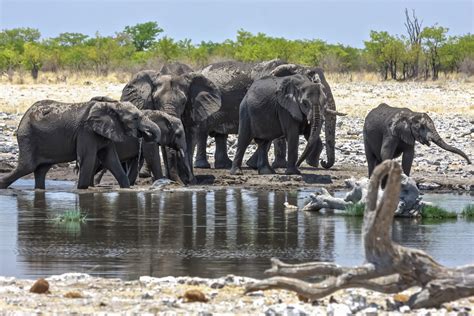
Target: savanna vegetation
423,52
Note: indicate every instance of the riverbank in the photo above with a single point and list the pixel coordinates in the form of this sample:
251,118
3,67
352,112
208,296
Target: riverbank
82,294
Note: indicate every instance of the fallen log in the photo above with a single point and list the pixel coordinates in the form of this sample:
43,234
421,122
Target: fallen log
389,267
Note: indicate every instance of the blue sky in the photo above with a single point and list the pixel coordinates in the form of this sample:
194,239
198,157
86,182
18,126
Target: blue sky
347,22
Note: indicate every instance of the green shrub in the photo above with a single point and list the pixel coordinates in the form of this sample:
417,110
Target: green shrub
436,212
356,209
71,216
468,211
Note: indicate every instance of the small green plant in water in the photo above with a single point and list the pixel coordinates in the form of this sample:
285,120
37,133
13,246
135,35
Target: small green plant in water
71,216
356,209
468,211
436,212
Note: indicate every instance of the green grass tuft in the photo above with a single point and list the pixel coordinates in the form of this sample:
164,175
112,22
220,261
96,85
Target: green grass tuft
436,212
71,216
356,210
468,211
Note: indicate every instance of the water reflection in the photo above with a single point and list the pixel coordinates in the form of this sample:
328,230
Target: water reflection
204,233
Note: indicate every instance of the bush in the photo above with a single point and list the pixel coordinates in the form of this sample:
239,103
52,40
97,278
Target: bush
436,212
356,210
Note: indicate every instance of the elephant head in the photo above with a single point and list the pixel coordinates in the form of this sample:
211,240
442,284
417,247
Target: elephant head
116,120
305,100
317,74
413,126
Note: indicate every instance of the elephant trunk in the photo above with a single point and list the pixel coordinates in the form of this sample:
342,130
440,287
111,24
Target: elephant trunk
316,125
441,143
149,130
330,128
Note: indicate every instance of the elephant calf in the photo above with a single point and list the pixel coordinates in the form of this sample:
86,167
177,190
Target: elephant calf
131,150
52,132
279,106
390,132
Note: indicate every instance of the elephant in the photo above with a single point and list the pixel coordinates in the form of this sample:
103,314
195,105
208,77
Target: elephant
390,132
52,132
189,96
132,152
234,78
279,106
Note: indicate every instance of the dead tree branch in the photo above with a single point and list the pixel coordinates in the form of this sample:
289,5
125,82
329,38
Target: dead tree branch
389,267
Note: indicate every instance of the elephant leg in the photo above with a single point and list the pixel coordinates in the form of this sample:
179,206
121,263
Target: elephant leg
20,171
201,154
132,169
243,142
221,159
263,163
151,154
407,160
99,175
370,157
293,141
40,175
145,171
111,161
252,162
279,147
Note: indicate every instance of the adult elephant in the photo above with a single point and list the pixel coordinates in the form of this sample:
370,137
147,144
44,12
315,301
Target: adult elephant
390,132
52,132
275,107
189,96
233,79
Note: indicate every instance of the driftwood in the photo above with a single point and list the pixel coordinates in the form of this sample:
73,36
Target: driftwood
389,267
410,203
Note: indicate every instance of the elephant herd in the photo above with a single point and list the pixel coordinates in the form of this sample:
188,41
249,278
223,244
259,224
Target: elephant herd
177,109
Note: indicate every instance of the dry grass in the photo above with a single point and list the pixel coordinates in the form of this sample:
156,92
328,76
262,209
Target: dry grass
355,93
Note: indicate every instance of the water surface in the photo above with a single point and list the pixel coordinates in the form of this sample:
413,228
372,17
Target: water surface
197,233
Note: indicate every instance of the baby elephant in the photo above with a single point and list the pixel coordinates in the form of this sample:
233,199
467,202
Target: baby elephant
131,151
279,106
52,132
390,132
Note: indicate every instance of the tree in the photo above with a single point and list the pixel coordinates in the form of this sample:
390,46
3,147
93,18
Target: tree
143,35
16,38
433,38
167,49
33,58
413,27
70,39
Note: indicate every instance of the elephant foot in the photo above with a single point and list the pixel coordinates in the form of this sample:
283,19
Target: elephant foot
279,163
292,170
202,164
312,162
236,171
223,164
266,170
252,163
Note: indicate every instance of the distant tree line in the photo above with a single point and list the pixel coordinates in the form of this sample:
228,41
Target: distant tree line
423,52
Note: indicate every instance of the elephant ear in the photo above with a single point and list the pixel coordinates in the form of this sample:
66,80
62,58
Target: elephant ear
103,119
204,98
139,90
288,95
401,127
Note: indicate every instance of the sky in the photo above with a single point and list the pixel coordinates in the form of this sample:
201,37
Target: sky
348,22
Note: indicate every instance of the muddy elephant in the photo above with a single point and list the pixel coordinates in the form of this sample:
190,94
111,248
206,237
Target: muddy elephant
275,107
233,79
132,152
52,132
189,96
390,132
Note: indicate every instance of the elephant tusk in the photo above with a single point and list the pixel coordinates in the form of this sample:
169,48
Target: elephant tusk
329,111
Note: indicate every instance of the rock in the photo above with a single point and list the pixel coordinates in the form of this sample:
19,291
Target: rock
401,298
428,186
336,309
73,295
41,286
161,183
195,296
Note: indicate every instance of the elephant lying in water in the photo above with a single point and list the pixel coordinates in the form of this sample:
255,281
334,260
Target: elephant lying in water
52,132
132,152
390,132
275,107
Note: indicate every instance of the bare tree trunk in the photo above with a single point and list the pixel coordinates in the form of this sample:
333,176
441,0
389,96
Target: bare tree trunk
389,267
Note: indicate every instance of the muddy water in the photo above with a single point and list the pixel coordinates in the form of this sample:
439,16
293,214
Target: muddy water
198,233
